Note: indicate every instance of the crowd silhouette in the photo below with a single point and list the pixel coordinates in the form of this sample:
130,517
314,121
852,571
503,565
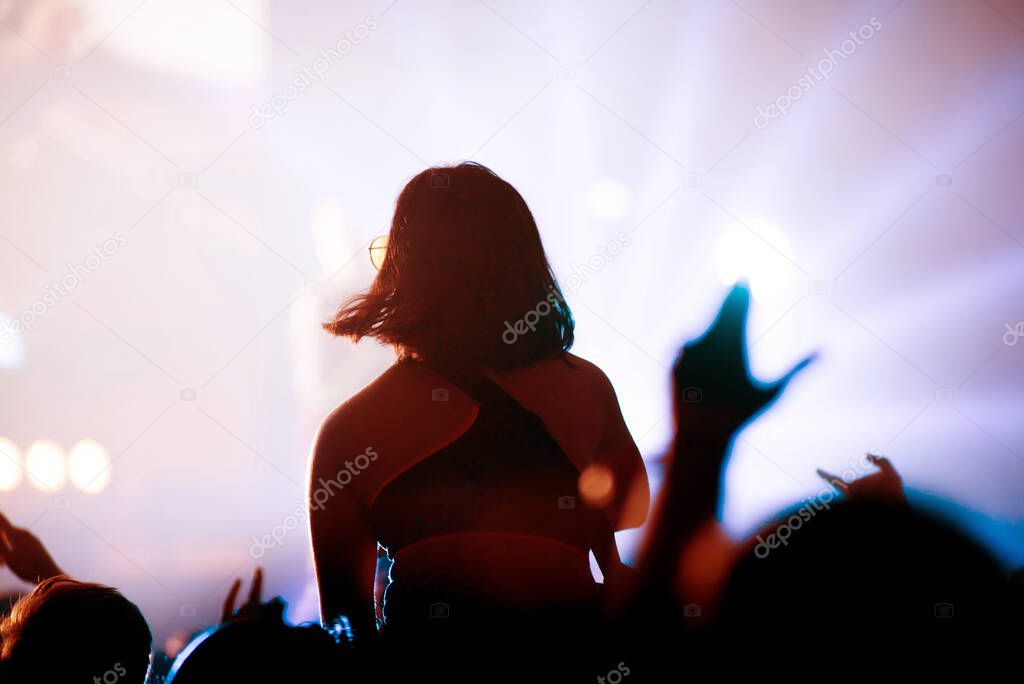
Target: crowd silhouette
490,471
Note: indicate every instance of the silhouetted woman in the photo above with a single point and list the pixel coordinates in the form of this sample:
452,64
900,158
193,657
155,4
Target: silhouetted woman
487,461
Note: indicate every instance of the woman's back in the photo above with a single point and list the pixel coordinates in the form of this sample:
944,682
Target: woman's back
473,483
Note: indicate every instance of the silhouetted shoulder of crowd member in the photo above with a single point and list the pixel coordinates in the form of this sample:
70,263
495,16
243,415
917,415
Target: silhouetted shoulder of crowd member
66,630
866,567
465,459
1015,582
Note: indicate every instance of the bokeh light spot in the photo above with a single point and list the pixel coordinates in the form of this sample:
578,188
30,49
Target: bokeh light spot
597,485
46,466
89,466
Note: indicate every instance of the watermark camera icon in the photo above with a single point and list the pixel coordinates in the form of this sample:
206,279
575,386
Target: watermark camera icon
566,502
439,611
187,610
313,287
944,180
188,180
817,287
439,180
439,394
566,72
943,610
62,72
692,179
62,502
691,610
944,395
1013,333
693,395
188,394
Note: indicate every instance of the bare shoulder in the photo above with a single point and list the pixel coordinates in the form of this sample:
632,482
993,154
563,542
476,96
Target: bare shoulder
393,392
591,374
567,373
405,410
579,365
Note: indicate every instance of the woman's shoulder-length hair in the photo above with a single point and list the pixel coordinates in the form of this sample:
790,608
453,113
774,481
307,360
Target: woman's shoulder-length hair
464,279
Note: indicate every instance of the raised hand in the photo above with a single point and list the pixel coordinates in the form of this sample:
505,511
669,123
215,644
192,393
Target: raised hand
253,608
714,391
885,485
714,396
24,554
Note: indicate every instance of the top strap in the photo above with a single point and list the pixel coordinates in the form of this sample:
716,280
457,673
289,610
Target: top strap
473,382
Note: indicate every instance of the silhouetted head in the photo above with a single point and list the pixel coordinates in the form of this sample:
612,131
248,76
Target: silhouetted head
67,630
258,651
464,278
861,566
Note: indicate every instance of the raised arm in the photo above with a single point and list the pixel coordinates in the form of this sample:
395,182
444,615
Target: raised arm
715,397
24,554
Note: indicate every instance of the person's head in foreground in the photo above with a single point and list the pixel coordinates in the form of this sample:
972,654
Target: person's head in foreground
71,631
464,276
863,567
259,651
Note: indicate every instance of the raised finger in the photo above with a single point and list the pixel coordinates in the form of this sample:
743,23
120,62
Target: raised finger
257,586
229,601
883,463
833,480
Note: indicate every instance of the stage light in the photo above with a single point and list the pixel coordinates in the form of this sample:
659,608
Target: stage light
10,465
45,464
12,347
609,200
89,466
759,253
223,47
331,238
